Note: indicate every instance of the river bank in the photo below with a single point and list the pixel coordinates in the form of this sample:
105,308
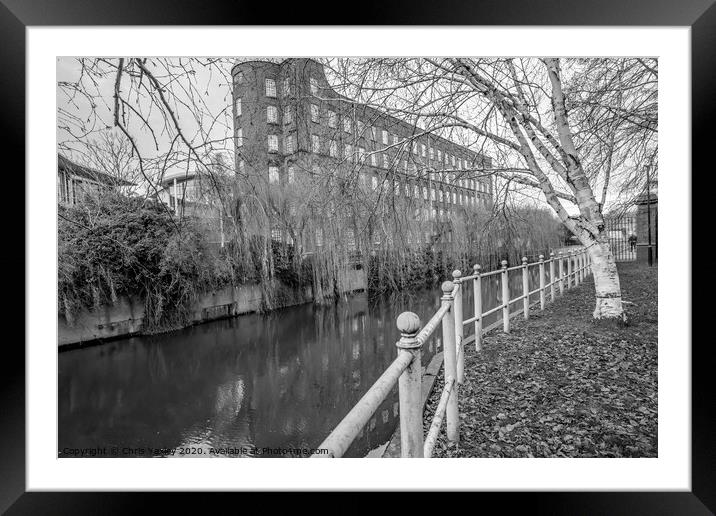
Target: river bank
561,384
126,317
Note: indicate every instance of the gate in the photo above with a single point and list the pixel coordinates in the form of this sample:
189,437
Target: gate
621,231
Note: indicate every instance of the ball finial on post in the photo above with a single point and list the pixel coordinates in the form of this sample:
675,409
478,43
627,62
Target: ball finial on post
524,260
504,264
476,268
408,323
456,275
541,257
447,288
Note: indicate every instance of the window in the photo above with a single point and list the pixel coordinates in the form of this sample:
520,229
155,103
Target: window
287,116
273,174
289,144
422,150
239,78
432,154
276,234
240,138
332,119
435,213
414,148
453,162
407,190
319,237
454,197
373,160
374,182
333,149
238,106
385,161
314,113
348,152
272,143
347,124
270,88
361,154
397,188
416,192
385,137
315,143
291,174
440,156
440,195
432,194
425,193
286,86
360,127
271,114
314,86
242,166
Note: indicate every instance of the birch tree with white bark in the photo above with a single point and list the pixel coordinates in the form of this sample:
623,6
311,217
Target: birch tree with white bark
572,129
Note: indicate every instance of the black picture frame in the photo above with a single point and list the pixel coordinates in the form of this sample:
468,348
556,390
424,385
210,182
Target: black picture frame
17,15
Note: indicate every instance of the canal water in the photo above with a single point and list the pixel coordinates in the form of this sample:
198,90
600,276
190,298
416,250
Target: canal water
262,385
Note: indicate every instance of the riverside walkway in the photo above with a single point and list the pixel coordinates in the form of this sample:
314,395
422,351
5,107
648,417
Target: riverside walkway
561,384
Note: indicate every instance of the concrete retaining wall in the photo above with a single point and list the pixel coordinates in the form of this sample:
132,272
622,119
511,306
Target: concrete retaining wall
126,316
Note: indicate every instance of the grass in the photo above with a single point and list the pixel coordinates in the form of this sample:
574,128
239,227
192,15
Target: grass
562,384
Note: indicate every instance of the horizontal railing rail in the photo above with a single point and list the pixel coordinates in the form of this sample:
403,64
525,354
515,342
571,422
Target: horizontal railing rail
406,369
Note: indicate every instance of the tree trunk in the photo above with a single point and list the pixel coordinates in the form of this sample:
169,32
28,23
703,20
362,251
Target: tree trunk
606,282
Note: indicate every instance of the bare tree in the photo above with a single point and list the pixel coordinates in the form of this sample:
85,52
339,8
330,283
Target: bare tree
563,127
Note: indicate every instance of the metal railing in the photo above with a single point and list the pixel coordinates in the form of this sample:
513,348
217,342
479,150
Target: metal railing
406,369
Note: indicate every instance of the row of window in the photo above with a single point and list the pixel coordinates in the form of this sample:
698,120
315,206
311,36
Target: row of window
271,113
455,197
386,138
383,160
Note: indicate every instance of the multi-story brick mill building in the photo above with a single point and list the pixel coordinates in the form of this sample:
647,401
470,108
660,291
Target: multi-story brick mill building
288,121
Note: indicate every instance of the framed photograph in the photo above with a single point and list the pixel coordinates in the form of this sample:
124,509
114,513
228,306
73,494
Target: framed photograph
435,240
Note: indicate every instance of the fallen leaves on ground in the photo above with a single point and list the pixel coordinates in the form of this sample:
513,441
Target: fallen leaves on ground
562,384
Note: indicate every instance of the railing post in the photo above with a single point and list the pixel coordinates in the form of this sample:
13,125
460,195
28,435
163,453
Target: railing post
453,418
525,289
457,304
575,269
561,273
551,276
585,259
477,292
569,270
505,299
409,387
542,295
580,278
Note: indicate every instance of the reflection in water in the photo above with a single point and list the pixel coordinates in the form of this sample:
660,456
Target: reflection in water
278,381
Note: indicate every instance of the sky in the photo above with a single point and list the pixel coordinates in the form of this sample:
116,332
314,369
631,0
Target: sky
209,87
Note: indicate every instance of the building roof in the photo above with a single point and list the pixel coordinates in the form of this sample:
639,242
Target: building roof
64,164
179,175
